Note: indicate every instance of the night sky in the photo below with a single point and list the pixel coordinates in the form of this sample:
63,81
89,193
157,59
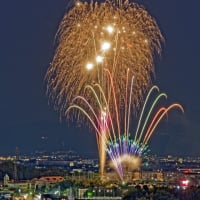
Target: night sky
27,121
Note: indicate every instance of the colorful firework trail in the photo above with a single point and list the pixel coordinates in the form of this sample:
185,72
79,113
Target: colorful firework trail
123,149
114,34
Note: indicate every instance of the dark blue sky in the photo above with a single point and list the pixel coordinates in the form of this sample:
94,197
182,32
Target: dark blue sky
27,44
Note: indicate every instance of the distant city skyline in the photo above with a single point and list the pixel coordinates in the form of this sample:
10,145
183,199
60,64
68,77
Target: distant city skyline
27,47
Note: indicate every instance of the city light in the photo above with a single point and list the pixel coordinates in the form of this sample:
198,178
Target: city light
185,183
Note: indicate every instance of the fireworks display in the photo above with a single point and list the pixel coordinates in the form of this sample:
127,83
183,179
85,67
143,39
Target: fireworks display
114,34
113,126
101,69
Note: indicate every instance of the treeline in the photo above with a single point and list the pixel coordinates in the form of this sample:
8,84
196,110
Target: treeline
21,172
163,193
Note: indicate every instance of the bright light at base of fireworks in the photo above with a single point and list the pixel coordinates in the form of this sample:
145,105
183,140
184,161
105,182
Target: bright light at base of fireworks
127,163
125,155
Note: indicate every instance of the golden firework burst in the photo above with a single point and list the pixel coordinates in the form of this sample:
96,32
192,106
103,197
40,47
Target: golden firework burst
92,36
